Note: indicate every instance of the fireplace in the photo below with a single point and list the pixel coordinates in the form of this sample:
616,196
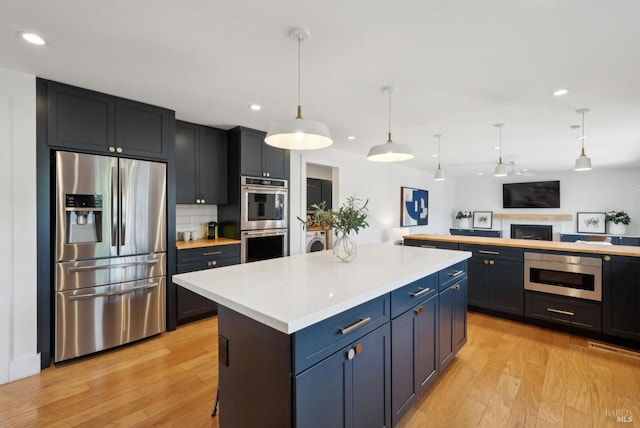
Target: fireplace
532,231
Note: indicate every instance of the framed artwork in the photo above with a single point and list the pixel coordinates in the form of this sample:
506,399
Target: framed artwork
482,219
591,222
414,207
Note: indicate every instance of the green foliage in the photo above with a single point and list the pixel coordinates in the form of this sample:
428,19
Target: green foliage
463,214
351,217
618,217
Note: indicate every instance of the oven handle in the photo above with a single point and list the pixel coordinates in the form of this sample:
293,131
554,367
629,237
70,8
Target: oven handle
266,189
264,233
113,293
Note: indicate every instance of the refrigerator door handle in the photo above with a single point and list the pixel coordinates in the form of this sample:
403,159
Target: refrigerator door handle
77,269
123,207
113,293
114,207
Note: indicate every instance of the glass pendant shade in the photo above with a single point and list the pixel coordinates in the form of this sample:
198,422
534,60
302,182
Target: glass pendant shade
299,133
439,175
501,170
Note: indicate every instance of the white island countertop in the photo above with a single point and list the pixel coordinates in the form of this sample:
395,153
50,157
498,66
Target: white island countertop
291,293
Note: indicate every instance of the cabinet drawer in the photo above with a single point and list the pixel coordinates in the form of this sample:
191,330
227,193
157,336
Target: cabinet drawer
207,264
320,340
452,274
495,252
412,294
431,244
208,253
563,310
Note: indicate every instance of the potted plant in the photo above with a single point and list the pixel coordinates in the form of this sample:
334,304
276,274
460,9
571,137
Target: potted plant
351,217
463,219
616,221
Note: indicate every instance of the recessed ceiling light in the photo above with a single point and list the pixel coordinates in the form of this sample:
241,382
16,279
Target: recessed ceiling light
255,107
351,137
480,173
33,38
496,147
435,155
560,92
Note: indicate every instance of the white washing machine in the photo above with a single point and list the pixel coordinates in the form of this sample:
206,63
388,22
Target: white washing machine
316,241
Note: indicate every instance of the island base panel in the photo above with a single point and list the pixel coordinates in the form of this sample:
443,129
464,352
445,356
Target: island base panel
255,382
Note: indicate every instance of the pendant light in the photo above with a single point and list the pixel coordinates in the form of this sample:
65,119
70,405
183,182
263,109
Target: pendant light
389,151
439,174
501,170
299,133
583,163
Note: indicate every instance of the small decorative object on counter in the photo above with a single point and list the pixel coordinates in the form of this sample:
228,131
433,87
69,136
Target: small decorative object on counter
212,230
463,219
351,217
616,222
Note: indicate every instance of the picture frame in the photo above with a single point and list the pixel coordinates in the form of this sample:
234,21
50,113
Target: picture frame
414,207
482,219
590,222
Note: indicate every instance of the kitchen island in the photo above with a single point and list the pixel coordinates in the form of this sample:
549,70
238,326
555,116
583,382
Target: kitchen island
307,340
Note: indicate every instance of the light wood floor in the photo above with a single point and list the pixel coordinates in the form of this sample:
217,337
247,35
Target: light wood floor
507,375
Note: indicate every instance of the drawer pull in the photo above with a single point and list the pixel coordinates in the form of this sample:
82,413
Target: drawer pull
355,325
427,246
420,293
558,311
493,253
456,287
456,273
212,263
213,253
419,310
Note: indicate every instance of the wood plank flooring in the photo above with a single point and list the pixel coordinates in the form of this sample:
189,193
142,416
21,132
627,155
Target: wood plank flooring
507,375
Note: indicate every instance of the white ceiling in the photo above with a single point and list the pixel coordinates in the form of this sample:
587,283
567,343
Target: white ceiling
460,67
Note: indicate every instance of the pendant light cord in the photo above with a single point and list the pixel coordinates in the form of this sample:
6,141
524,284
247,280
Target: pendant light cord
583,112
299,66
439,151
389,137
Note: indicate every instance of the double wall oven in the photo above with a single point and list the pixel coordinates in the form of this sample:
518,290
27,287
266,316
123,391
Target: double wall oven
263,218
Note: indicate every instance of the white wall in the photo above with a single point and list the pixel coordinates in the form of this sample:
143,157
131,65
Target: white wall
378,182
588,191
18,291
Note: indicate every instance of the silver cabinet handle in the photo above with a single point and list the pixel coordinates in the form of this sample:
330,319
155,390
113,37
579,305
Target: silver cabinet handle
76,269
493,253
428,246
558,311
114,293
213,253
456,273
355,325
419,293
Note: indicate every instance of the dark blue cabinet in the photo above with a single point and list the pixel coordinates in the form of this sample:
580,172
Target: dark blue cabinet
452,321
477,232
496,278
621,297
351,388
414,359
430,244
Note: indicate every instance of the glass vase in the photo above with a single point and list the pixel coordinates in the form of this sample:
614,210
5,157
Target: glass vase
345,247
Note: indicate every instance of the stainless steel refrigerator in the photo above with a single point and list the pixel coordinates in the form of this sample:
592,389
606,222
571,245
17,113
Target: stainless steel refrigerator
110,252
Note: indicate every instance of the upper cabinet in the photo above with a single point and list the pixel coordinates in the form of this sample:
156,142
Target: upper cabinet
201,164
90,121
257,159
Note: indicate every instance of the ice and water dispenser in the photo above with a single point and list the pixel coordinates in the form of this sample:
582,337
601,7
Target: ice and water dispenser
83,218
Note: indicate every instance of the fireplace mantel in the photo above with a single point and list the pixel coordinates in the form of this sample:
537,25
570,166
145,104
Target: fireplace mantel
540,217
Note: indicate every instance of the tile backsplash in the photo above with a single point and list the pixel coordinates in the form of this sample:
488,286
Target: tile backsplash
194,219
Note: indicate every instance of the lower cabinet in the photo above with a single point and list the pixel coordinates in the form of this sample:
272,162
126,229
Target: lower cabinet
452,321
192,306
621,297
414,363
351,388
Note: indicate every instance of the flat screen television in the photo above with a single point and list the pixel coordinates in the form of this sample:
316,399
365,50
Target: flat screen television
537,194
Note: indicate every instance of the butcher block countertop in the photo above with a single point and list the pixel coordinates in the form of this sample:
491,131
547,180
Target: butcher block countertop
592,248
201,243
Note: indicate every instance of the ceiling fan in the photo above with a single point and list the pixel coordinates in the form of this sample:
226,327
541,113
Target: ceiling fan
516,170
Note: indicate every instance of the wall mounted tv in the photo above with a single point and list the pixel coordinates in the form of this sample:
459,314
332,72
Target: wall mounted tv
538,194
